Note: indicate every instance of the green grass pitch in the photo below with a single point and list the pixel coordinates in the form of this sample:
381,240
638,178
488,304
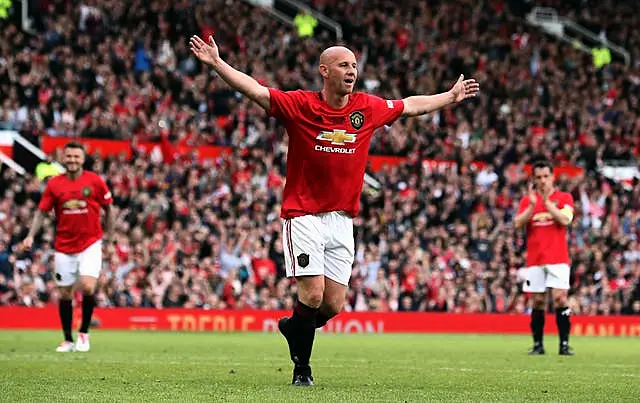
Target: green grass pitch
194,367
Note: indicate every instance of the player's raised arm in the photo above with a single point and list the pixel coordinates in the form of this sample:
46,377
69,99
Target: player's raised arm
423,104
208,54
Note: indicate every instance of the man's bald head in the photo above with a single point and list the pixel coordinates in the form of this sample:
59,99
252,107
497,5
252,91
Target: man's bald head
338,70
334,53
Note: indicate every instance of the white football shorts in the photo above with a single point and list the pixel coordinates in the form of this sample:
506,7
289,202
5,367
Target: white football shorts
538,278
319,244
86,263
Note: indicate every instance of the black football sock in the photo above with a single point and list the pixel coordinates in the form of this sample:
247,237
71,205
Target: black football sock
65,310
88,302
537,326
303,327
322,319
564,324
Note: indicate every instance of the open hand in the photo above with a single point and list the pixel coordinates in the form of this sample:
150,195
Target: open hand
464,89
206,52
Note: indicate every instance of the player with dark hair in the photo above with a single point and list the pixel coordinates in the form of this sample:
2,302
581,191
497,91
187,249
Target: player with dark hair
545,213
76,198
329,135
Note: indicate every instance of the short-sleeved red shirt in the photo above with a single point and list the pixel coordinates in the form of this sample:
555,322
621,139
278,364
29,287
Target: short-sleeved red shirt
77,206
546,239
328,148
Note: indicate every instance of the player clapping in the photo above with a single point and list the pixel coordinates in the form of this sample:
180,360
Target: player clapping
545,213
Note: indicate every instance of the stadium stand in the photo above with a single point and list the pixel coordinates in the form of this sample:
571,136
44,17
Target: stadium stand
433,235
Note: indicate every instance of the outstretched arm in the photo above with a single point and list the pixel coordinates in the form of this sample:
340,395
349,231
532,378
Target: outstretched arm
423,104
208,54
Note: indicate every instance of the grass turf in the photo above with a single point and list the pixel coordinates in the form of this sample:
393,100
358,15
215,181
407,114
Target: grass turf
159,366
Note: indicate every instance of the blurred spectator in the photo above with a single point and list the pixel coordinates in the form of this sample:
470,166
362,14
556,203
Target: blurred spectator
47,169
305,23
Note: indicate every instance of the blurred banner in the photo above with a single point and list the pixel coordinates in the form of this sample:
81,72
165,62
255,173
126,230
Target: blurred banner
6,143
628,175
200,320
169,153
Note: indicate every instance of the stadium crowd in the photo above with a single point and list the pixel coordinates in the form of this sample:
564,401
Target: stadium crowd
208,235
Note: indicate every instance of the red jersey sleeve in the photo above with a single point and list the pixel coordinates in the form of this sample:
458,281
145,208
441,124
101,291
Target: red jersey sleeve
284,105
103,195
47,201
385,111
524,203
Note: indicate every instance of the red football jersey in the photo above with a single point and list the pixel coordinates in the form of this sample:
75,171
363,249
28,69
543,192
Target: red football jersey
546,239
328,148
77,206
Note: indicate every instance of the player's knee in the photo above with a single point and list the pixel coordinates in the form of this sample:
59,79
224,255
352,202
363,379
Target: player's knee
310,290
66,293
312,299
560,300
310,296
538,303
88,287
332,307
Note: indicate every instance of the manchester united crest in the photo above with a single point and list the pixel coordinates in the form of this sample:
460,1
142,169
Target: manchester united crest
86,191
357,119
303,260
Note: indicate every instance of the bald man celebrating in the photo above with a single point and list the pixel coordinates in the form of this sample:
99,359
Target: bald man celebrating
329,135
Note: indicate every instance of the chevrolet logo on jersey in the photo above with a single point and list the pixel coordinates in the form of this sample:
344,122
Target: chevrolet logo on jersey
337,137
74,204
542,219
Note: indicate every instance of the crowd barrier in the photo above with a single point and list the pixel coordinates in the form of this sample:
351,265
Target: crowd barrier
201,320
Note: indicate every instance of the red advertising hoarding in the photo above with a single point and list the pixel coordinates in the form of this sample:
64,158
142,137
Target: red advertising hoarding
116,147
376,162
200,320
50,144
